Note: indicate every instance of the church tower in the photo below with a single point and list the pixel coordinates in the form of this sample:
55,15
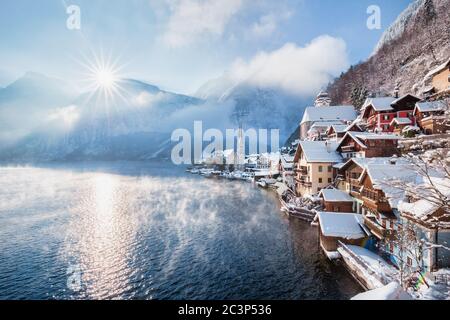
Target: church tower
322,100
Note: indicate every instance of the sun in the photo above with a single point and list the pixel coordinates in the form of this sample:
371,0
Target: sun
106,78
102,77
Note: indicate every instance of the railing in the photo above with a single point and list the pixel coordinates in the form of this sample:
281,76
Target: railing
382,278
377,229
350,148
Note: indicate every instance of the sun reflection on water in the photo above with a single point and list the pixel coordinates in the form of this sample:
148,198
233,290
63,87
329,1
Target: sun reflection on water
106,235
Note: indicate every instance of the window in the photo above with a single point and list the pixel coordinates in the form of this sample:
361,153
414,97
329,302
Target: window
320,180
386,117
330,180
330,168
320,169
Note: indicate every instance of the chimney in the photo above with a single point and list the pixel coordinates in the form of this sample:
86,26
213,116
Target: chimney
396,91
328,146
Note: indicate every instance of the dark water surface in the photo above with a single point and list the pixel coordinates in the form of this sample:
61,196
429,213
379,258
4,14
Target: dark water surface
151,231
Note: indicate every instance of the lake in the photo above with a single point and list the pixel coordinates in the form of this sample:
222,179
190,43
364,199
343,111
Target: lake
148,230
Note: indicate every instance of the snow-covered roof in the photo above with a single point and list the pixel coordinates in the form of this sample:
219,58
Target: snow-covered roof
228,152
335,195
406,96
411,128
438,69
388,177
374,136
341,225
431,106
320,151
364,162
360,137
423,208
401,121
325,124
287,161
339,165
339,128
342,113
392,291
380,104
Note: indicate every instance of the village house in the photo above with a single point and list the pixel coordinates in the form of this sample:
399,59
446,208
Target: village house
380,199
379,113
318,131
428,218
340,227
287,170
335,200
430,116
440,78
368,145
349,173
322,112
314,162
337,131
336,114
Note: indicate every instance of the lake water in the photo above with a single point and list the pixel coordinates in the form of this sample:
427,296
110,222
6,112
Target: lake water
151,231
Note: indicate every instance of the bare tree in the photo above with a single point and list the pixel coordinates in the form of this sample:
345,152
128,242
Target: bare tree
407,243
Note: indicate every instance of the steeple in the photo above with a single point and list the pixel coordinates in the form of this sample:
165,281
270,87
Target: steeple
322,100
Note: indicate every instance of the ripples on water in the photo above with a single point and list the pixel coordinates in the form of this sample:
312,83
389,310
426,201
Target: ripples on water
150,231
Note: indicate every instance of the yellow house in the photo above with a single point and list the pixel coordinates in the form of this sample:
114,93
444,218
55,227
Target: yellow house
441,77
313,164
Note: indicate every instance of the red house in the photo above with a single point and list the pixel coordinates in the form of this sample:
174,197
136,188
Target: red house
368,145
380,113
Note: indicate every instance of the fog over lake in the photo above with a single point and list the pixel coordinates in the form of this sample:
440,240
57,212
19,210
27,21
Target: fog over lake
135,230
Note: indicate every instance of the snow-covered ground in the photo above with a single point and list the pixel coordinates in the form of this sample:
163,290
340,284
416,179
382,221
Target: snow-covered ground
392,291
439,290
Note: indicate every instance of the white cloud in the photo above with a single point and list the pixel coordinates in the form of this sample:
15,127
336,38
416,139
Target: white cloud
298,70
191,20
267,24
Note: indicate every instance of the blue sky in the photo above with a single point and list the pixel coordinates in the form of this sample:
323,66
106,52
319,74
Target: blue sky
179,44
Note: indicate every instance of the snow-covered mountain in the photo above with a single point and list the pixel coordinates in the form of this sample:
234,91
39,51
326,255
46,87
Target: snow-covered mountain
417,42
47,119
400,24
262,107
135,123
26,100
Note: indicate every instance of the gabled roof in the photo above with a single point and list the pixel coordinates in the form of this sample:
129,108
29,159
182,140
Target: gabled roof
427,206
438,69
401,121
380,104
387,178
332,113
335,195
431,106
318,152
354,125
363,163
338,128
361,137
406,98
341,225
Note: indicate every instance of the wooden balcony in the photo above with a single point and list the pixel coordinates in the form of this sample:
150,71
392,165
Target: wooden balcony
303,182
301,171
349,148
374,227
